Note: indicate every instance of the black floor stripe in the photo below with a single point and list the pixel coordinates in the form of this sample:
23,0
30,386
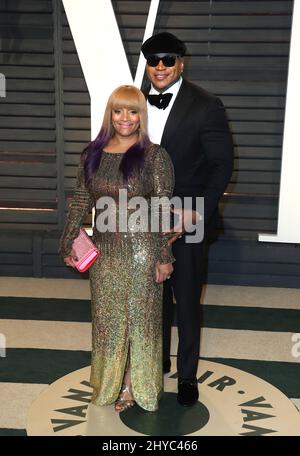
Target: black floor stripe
40,366
284,376
45,309
46,366
251,318
213,316
12,432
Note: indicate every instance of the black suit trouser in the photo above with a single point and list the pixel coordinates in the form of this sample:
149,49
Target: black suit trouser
186,284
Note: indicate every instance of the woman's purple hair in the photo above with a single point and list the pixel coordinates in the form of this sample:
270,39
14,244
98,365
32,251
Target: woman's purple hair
128,97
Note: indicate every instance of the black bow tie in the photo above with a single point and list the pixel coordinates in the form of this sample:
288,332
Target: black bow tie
161,101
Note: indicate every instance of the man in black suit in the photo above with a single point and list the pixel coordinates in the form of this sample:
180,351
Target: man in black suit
191,124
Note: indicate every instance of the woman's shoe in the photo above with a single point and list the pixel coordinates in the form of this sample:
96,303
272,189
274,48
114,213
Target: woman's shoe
125,399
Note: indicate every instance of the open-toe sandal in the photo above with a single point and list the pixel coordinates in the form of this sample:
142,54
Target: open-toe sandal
123,403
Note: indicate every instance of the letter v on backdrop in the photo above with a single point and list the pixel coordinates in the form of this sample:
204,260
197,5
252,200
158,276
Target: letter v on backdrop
101,52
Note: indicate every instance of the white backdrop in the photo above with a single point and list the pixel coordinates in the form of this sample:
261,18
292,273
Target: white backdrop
288,228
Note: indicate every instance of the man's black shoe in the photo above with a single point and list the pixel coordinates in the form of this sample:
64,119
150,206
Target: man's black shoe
187,392
166,367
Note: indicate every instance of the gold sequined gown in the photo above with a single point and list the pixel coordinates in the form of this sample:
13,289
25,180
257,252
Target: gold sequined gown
126,300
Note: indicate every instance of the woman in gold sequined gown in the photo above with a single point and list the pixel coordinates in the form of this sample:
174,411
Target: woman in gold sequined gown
126,279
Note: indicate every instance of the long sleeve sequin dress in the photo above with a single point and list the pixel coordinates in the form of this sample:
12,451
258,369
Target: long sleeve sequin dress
126,300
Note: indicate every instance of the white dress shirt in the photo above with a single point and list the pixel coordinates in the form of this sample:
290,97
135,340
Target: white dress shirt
157,118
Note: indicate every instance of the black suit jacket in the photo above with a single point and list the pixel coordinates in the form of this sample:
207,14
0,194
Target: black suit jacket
199,142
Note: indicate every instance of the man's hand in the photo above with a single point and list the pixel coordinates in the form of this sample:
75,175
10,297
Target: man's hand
187,219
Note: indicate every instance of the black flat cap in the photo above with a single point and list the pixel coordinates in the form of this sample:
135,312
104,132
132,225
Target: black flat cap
163,43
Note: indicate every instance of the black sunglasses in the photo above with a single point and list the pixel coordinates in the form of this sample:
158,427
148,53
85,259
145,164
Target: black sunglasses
167,60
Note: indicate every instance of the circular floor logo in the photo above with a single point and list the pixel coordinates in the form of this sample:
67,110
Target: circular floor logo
231,402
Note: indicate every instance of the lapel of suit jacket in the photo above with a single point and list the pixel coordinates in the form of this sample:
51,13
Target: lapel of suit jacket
178,112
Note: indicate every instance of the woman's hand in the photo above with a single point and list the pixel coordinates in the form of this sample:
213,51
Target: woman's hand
163,272
69,259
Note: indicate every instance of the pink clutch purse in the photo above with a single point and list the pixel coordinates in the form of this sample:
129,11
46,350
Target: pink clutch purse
85,251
